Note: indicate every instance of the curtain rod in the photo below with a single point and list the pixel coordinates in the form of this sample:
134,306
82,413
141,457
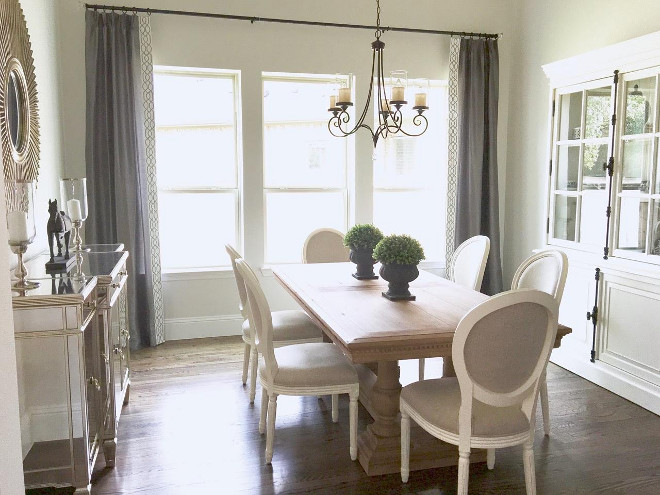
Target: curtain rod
253,19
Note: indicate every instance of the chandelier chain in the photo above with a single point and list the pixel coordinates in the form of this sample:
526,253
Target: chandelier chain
379,31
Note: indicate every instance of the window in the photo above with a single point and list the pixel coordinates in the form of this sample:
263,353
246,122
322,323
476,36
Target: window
197,155
305,168
410,186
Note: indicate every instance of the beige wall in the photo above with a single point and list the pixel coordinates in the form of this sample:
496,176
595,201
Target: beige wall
208,305
552,31
40,19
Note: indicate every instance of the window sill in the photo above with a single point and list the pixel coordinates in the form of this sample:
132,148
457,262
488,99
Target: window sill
197,274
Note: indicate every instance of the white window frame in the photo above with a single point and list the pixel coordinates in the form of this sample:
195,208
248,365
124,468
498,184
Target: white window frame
434,83
350,153
235,75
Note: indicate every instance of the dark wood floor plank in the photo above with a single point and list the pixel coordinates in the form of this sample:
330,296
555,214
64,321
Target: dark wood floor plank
189,429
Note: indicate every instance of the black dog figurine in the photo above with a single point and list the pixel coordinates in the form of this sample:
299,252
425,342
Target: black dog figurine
58,228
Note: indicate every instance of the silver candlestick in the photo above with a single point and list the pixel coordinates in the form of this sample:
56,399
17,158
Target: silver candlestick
19,248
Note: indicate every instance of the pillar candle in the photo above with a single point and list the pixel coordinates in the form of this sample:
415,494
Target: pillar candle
17,224
333,101
420,99
344,95
398,93
73,205
383,106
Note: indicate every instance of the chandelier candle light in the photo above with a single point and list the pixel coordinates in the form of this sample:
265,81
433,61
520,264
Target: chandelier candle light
390,118
21,229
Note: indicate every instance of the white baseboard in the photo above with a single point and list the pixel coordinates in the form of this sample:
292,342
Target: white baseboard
630,387
200,327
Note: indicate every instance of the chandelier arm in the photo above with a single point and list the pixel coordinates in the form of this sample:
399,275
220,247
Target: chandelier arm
382,118
419,120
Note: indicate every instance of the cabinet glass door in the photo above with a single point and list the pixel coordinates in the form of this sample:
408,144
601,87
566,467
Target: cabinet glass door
638,196
581,148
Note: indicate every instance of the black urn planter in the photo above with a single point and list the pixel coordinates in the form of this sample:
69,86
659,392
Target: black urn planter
364,261
399,276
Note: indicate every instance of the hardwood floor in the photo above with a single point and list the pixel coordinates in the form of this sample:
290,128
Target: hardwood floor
190,430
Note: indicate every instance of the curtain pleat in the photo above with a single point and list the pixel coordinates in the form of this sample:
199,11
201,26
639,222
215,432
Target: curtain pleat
477,199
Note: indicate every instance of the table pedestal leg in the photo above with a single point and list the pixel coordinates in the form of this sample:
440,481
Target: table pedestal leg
379,447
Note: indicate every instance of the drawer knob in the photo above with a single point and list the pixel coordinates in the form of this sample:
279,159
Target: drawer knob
115,286
94,382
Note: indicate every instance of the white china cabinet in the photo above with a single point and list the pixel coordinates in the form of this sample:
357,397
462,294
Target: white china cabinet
604,212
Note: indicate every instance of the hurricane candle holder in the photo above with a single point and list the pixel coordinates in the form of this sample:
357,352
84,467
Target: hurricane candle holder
74,201
21,228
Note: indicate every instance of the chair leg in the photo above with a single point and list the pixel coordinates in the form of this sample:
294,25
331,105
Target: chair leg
254,361
530,475
544,404
463,472
270,429
264,409
246,362
405,446
353,422
422,365
335,408
490,458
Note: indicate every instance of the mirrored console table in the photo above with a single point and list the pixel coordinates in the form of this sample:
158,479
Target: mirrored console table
72,346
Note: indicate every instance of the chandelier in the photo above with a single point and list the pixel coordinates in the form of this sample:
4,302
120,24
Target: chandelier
390,118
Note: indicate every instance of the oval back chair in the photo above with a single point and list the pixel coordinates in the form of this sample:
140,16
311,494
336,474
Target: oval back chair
325,246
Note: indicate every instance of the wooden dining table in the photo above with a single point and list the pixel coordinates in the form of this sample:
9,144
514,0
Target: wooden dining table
375,333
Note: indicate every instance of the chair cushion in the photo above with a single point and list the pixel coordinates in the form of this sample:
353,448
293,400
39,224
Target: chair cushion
438,402
316,364
289,325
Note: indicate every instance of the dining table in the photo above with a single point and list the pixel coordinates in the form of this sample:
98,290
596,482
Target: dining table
375,334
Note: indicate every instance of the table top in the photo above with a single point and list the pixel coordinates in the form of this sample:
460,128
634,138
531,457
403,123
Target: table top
370,328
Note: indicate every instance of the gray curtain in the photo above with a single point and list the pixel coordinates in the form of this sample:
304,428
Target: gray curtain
477,207
115,156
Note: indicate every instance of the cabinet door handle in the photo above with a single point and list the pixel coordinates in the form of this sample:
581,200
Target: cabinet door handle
117,350
115,286
105,357
122,274
93,381
124,333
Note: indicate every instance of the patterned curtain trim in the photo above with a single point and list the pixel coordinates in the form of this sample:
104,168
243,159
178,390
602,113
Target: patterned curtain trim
452,165
147,70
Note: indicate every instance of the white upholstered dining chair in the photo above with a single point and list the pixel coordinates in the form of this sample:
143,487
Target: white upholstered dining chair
466,268
500,350
289,327
303,369
325,246
545,271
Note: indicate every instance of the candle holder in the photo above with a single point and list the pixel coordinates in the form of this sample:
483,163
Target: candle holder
74,202
21,228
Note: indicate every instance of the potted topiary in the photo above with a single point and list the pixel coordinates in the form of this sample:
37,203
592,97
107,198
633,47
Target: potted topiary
362,239
399,256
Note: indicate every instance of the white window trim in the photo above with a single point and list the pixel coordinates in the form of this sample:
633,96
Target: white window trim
196,273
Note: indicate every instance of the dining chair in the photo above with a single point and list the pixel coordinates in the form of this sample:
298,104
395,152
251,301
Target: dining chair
500,350
466,268
289,327
325,246
545,271
316,368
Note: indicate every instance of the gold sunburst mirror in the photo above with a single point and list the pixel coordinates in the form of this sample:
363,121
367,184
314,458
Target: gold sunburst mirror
19,116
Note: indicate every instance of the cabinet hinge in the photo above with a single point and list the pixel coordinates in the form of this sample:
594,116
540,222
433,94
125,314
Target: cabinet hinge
547,225
616,77
553,108
551,167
